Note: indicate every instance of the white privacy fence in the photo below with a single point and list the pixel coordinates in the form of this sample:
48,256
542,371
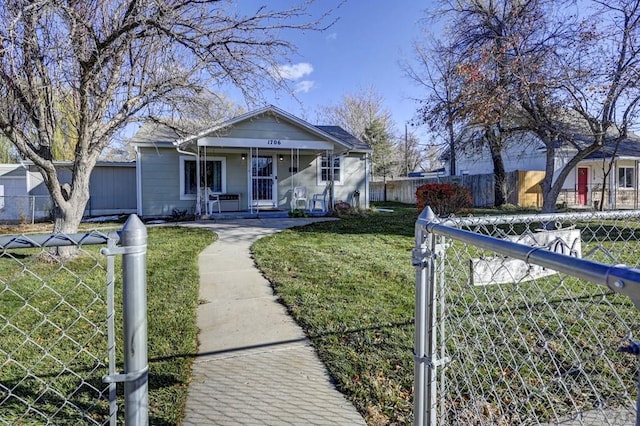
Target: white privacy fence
527,319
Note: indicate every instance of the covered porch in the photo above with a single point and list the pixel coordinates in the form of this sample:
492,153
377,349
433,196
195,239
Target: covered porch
253,179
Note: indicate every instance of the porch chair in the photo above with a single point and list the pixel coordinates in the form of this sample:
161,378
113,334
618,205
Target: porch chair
320,199
299,194
212,199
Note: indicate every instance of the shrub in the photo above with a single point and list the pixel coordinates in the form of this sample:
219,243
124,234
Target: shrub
298,213
443,198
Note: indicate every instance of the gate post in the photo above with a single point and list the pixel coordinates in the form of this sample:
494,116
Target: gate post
134,277
424,392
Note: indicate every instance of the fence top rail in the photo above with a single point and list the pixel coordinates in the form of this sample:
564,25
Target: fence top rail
618,278
520,218
56,240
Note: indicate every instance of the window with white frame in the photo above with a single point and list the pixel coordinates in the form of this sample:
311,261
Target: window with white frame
328,164
625,177
213,175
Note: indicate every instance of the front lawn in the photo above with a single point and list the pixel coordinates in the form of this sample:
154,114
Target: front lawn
350,285
52,356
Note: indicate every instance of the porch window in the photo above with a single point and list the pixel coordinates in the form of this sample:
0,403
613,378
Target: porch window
326,167
625,177
214,178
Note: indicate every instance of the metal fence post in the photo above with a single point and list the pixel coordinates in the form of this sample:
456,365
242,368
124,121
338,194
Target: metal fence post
424,382
419,333
134,275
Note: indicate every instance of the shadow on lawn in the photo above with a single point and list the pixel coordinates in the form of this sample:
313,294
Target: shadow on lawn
41,400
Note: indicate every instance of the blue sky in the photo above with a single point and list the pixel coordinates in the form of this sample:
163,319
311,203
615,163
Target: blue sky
361,50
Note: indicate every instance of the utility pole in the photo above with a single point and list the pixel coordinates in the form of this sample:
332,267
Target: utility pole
406,151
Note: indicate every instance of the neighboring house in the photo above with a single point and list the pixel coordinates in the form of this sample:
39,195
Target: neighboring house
254,162
24,196
583,184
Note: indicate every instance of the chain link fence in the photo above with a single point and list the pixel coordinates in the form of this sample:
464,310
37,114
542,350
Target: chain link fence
527,319
25,208
58,327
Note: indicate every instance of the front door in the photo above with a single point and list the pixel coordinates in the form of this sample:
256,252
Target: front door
583,180
263,181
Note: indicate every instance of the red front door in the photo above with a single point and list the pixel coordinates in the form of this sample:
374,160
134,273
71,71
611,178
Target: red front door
583,179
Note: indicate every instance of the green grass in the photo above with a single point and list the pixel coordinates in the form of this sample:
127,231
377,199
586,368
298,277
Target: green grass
350,285
53,346
518,350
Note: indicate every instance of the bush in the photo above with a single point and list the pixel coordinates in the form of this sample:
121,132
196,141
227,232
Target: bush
443,198
298,213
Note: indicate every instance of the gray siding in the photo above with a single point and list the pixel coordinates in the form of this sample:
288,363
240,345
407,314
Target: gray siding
112,190
354,179
268,127
236,177
353,169
160,183
306,176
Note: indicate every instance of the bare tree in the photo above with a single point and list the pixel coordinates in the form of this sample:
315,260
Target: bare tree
580,90
357,111
122,61
434,70
539,66
411,155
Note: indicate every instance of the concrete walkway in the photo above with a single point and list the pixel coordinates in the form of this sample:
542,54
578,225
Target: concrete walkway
254,364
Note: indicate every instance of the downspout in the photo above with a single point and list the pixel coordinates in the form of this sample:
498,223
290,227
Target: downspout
366,180
198,212
138,182
635,198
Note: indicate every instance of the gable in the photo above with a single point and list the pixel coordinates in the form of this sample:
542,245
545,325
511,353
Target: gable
265,126
270,127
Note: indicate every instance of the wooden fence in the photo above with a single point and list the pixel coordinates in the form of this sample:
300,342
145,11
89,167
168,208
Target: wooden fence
481,187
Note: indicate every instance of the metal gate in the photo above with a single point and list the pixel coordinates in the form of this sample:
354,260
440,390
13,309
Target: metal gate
527,319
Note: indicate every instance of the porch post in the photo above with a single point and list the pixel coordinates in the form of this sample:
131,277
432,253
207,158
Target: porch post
198,197
250,180
613,185
331,179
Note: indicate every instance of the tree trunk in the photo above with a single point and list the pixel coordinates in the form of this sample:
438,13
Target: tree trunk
499,175
69,202
452,149
549,194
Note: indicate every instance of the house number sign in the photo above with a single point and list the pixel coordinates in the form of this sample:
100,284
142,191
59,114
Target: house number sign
273,142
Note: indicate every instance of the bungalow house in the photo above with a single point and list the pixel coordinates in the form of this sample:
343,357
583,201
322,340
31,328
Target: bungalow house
263,160
614,168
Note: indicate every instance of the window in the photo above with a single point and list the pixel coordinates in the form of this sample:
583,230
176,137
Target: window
215,176
625,177
326,168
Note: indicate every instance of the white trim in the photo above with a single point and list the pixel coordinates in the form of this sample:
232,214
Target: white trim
185,158
273,203
633,177
265,143
319,180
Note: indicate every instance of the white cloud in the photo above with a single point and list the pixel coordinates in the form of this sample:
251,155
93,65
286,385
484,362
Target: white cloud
295,71
305,86
332,36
